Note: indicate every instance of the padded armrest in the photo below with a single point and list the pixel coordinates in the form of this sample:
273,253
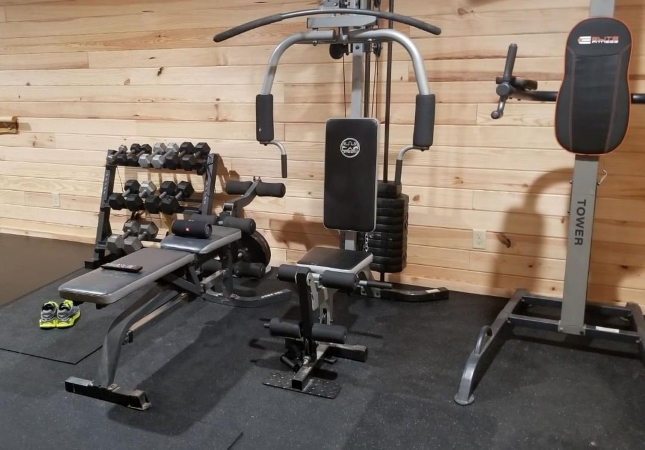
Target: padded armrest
103,287
220,237
320,259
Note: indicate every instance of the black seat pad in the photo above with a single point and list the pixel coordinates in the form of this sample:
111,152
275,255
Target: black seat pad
592,111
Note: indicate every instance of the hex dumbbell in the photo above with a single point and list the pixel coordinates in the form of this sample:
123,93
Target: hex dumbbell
132,244
134,201
159,160
117,200
173,160
153,203
122,158
114,154
133,158
116,242
170,204
190,161
145,160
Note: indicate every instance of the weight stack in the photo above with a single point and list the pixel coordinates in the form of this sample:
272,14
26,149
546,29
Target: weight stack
389,241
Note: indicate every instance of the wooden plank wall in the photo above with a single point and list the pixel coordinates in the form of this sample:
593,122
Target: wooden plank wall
87,75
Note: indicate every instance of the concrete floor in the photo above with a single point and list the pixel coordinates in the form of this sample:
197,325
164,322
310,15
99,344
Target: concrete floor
24,258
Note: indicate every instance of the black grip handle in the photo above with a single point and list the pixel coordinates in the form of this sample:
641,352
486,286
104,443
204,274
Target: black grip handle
424,117
191,228
338,280
284,328
398,173
336,334
271,189
247,27
288,272
510,63
237,187
264,118
284,165
244,225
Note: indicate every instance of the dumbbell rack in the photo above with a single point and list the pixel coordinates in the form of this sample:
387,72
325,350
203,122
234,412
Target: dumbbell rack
104,229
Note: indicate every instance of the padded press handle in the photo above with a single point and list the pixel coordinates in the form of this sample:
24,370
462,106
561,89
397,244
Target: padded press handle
264,118
191,228
244,225
237,187
424,117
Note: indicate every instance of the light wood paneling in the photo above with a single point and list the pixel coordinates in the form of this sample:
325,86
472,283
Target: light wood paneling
84,76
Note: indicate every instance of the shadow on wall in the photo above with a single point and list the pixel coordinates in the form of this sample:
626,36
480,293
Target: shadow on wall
538,233
300,234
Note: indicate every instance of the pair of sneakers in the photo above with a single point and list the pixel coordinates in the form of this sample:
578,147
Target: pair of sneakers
64,315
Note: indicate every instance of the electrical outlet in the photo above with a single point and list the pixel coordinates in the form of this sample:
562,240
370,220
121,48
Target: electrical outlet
479,239
56,200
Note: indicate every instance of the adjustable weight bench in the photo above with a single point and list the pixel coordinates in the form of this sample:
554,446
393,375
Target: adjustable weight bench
172,275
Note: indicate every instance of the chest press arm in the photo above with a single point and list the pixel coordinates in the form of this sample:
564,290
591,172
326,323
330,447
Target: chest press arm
423,134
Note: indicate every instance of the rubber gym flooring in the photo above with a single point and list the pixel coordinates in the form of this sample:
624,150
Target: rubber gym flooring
204,365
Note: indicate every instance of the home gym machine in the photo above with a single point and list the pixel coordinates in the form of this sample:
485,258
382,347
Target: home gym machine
591,119
352,193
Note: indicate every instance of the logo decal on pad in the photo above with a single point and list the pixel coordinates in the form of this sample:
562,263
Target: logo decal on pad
586,40
350,147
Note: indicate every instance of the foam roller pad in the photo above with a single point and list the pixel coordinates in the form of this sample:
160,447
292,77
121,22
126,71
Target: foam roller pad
271,190
338,280
335,334
288,272
237,187
244,225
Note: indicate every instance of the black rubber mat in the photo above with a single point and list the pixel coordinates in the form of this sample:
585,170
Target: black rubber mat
20,332
204,365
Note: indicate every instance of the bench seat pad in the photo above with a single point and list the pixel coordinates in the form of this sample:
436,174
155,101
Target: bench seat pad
103,287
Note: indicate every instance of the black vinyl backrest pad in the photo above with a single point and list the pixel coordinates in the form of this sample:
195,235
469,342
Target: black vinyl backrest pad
351,160
592,111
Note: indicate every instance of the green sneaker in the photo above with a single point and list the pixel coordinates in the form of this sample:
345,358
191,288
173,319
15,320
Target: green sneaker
48,316
68,313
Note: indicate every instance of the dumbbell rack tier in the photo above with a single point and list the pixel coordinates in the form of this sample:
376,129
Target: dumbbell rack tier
104,230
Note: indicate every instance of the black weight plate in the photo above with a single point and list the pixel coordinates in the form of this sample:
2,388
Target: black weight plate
400,228
391,212
389,261
254,247
393,202
382,236
385,268
386,252
386,245
385,220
